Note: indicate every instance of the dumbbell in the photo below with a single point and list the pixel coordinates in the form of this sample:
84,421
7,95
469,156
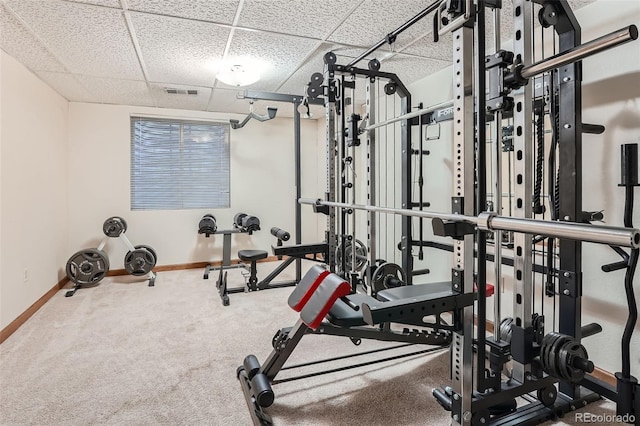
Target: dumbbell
246,222
207,225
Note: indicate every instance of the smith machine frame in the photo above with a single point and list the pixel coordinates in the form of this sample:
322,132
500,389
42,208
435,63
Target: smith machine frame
476,390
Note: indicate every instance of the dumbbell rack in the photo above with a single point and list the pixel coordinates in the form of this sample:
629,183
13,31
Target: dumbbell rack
86,268
226,252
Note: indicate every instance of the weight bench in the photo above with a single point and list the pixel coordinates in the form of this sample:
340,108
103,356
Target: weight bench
327,308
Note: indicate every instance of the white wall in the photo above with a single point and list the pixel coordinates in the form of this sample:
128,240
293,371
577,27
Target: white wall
33,195
611,96
262,184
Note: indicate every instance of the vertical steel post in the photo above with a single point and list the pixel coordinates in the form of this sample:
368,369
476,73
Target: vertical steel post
405,241
570,178
330,120
463,189
522,337
372,223
497,197
298,212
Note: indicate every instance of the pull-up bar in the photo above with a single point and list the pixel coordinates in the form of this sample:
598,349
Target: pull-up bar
391,37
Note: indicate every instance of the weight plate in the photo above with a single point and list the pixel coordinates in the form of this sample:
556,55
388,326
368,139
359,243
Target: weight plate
568,352
361,256
114,226
139,261
87,267
387,276
505,329
153,252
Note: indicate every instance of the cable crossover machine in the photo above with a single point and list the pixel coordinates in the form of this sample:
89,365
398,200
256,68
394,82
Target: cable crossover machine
523,106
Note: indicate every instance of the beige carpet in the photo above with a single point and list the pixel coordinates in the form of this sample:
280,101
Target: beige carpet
123,353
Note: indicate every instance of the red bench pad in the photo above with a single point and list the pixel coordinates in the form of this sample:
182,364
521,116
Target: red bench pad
330,289
306,287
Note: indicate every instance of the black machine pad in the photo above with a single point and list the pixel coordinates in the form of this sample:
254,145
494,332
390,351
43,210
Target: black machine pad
251,255
416,290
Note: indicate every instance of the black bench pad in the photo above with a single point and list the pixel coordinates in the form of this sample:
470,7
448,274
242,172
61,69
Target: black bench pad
342,315
411,291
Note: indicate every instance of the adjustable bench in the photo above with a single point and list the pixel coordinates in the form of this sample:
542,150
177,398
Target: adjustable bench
326,307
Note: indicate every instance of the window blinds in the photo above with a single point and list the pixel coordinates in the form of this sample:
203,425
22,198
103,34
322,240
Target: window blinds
179,164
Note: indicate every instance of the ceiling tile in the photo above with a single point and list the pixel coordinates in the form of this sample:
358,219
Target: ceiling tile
226,100
310,18
118,92
177,50
67,85
197,102
410,69
19,43
297,83
427,48
107,3
89,40
375,18
222,11
281,54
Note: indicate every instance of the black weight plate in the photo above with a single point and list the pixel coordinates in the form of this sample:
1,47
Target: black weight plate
382,274
114,226
153,252
139,261
87,267
568,352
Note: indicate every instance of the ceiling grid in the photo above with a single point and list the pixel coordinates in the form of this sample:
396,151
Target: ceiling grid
129,51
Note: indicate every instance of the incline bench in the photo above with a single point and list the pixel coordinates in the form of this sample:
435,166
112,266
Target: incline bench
326,307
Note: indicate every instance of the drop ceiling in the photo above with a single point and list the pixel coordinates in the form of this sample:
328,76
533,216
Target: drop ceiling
129,51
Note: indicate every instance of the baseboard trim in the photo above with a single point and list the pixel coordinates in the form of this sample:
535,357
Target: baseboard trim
23,317
183,266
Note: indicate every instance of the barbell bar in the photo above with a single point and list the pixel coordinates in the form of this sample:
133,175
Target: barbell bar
409,115
612,235
578,53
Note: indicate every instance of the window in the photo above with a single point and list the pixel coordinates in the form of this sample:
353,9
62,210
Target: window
179,164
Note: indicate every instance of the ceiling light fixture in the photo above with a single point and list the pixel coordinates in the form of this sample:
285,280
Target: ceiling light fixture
238,75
